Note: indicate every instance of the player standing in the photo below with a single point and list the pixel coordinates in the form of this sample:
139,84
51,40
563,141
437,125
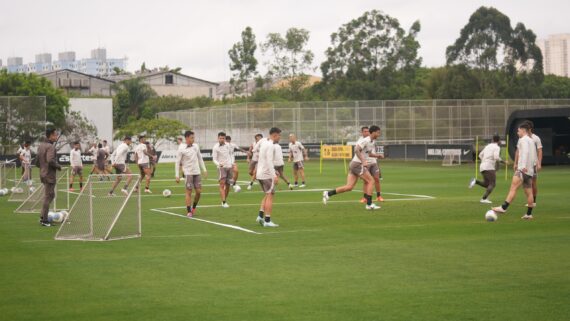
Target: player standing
222,158
25,156
191,161
252,157
267,177
489,156
119,162
372,168
279,165
358,168
297,153
142,156
76,166
47,161
233,148
524,171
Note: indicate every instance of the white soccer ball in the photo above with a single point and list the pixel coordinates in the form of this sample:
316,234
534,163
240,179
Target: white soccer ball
55,217
18,190
491,216
237,188
32,189
6,191
166,193
2,193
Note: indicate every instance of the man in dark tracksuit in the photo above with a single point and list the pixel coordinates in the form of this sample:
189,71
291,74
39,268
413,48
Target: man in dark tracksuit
47,162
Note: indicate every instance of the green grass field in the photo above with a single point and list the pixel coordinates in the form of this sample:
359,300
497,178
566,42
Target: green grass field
415,259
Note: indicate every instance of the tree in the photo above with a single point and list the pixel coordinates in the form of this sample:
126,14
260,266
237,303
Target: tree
130,96
243,63
156,129
289,59
76,128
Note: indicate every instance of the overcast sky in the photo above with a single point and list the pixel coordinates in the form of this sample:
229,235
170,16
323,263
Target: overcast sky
196,35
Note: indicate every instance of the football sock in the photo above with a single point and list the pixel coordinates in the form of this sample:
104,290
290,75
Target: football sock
332,192
303,182
505,205
188,208
364,195
70,185
261,213
378,194
368,199
195,205
529,210
268,219
80,185
296,183
535,196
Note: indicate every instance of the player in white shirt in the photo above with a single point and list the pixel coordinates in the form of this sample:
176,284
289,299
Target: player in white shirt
372,168
119,162
190,160
221,156
76,164
279,165
252,157
358,168
297,154
267,176
489,157
538,166
25,156
142,157
525,167
233,148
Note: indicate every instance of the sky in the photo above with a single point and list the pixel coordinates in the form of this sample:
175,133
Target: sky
196,35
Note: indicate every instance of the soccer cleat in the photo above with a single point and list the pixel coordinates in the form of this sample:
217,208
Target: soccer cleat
485,201
290,186
146,190
237,189
499,209
259,220
249,187
472,182
372,207
124,191
527,217
325,197
363,200
46,224
110,194
270,224
302,185
296,185
190,214
380,199
225,205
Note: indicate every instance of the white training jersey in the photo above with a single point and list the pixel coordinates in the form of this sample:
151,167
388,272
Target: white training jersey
367,145
297,149
221,155
278,160
537,143
489,157
93,150
181,146
26,154
120,154
265,163
255,151
527,155
140,151
75,158
369,159
190,159
233,148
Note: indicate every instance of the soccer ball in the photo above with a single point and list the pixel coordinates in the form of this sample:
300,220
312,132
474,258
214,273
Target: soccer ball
2,193
32,189
55,217
166,193
237,189
6,191
491,216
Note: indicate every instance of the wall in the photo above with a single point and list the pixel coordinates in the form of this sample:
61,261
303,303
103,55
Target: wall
97,110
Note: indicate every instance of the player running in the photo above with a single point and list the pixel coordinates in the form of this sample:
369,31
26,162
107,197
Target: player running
358,168
252,157
76,166
221,156
372,168
267,177
233,148
524,170
100,167
142,157
119,162
191,161
279,165
297,153
489,156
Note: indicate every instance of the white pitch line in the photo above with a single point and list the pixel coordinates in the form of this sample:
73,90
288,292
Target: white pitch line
173,236
235,227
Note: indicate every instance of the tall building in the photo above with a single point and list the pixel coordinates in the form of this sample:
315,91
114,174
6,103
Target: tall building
556,54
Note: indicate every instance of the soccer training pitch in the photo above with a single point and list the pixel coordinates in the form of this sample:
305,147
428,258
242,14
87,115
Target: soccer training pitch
428,254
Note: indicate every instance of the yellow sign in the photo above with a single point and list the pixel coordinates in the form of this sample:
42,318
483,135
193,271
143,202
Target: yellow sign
336,152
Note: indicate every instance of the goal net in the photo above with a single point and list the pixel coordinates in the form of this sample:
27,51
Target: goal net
98,216
27,183
7,174
34,202
451,158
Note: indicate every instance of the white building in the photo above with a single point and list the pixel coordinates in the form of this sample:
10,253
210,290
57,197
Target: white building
556,54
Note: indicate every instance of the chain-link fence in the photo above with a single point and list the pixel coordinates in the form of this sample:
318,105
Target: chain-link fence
21,118
402,121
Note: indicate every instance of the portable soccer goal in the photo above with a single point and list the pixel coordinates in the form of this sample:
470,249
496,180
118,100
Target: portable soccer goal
99,215
25,186
451,157
34,202
8,174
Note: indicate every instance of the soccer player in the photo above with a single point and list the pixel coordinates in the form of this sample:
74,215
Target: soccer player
101,160
118,161
153,158
252,157
358,168
279,165
489,156
297,153
76,166
143,156
372,168
267,177
191,161
525,167
538,166
233,148
25,156
223,160
47,161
